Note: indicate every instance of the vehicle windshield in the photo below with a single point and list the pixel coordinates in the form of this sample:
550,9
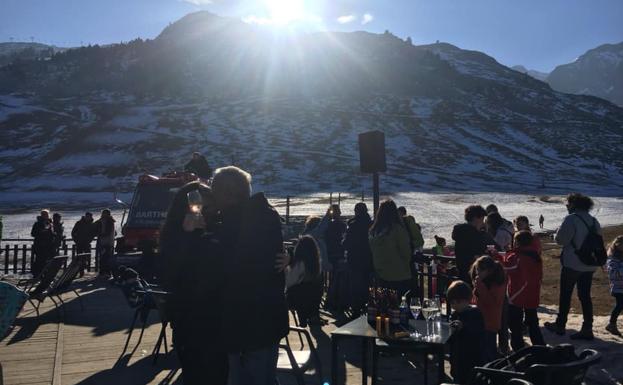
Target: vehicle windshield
149,205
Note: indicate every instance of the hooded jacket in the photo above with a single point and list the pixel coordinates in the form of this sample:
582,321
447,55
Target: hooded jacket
469,243
391,253
524,269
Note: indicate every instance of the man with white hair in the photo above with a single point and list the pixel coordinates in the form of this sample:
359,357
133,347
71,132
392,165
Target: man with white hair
255,314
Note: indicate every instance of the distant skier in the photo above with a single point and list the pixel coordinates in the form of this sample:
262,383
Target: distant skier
541,221
199,166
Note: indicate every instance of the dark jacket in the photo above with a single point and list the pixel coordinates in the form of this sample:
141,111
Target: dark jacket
334,235
466,349
43,233
59,233
83,232
469,243
255,314
200,167
356,243
193,267
105,231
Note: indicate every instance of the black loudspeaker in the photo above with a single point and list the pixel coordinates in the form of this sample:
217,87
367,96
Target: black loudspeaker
372,152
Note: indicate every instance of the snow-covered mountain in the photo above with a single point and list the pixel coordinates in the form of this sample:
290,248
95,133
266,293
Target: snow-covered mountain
534,73
598,72
289,109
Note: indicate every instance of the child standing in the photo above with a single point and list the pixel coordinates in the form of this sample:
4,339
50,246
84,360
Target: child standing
614,266
525,272
466,349
489,289
303,282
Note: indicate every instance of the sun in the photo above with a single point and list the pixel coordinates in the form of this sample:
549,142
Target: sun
285,11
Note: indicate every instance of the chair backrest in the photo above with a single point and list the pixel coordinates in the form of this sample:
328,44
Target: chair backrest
12,300
72,270
571,373
48,276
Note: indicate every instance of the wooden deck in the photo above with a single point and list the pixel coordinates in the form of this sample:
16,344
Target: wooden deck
77,346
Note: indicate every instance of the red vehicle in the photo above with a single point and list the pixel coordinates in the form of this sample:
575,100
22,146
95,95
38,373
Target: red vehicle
149,206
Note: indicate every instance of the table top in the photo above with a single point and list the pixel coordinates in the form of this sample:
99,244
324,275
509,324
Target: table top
360,328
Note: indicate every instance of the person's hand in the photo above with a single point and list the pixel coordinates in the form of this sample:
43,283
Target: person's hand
281,261
456,325
192,222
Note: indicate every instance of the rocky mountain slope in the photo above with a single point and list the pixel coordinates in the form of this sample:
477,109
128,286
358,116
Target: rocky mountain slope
289,109
19,51
598,72
534,73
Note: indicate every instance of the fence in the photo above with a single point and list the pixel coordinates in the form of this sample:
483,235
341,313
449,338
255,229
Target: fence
17,255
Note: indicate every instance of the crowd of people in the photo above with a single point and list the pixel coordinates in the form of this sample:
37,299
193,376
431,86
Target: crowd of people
225,262
49,237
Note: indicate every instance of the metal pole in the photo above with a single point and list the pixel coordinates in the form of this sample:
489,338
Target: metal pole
339,198
375,191
288,210
330,199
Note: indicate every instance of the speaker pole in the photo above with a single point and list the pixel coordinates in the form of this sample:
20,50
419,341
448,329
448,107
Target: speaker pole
375,191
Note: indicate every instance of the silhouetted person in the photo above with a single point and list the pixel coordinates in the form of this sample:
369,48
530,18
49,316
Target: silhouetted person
83,234
415,230
255,313
333,237
303,281
43,246
541,221
193,273
105,232
59,230
199,166
470,240
358,257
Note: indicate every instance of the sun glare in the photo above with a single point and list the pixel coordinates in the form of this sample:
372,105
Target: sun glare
285,11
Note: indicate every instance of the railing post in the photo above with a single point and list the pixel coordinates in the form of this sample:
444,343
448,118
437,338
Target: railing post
15,255
24,252
7,249
330,199
429,276
288,210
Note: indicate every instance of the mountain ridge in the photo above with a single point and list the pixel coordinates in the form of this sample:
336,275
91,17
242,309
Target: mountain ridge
290,109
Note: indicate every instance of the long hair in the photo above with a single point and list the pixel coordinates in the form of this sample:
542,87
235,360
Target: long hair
496,271
386,217
306,251
613,247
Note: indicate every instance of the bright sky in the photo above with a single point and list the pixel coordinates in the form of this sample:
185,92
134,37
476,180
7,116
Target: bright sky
538,34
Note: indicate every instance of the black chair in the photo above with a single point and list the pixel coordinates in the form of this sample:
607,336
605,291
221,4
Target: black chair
569,373
64,282
297,362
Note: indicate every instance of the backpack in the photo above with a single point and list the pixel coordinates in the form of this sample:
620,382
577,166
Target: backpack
592,251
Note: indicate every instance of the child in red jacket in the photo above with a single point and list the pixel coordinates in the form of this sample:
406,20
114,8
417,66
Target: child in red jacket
489,289
525,272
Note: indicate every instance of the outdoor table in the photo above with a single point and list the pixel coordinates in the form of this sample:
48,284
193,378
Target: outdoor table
359,328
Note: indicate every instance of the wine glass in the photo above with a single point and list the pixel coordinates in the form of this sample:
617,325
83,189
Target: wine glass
429,310
434,311
195,202
415,307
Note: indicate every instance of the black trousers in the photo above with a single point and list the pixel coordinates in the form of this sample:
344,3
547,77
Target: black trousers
359,289
304,298
42,256
515,322
201,363
568,279
618,307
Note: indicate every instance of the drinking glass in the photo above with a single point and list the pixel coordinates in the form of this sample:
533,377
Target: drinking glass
429,310
415,307
195,202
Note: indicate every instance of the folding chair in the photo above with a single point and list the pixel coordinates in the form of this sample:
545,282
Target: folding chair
297,362
47,279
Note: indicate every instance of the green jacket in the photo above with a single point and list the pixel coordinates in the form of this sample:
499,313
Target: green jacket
391,254
417,241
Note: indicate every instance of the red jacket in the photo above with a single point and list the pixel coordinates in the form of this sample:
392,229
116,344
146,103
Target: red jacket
524,269
490,301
